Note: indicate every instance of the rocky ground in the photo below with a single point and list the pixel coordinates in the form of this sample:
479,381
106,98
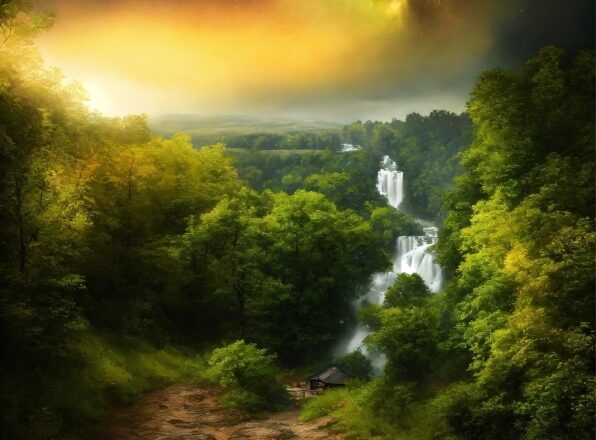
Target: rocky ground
187,412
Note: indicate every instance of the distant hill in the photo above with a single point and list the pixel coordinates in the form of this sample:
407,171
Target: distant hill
211,129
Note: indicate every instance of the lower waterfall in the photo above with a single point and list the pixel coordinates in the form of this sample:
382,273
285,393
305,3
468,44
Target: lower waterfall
411,255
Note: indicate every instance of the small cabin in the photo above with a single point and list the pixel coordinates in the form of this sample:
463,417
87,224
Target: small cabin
329,378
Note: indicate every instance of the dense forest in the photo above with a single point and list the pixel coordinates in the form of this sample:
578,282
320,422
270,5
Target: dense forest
506,350
425,148
113,239
131,260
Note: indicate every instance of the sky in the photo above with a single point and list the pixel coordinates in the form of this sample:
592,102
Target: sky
333,60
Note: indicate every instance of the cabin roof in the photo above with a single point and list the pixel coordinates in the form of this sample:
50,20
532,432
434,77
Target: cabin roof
332,375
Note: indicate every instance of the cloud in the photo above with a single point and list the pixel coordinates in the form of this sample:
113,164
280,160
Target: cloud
317,57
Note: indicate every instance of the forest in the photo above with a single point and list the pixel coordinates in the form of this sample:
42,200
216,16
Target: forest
131,261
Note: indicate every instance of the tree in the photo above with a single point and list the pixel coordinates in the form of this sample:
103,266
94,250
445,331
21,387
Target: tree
389,223
407,290
357,365
519,240
424,147
226,239
323,255
409,338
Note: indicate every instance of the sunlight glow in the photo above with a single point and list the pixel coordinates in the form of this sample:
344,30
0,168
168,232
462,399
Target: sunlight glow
97,97
215,56
396,7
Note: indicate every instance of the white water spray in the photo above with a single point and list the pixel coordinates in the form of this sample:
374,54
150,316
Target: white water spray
390,182
411,255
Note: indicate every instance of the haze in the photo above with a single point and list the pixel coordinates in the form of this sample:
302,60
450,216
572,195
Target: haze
331,60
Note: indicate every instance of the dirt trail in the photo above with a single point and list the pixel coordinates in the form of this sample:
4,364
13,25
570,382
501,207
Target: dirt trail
186,412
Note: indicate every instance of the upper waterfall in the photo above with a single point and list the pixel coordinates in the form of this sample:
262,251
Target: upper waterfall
390,182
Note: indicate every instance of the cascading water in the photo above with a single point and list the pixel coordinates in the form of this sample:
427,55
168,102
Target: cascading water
390,182
411,256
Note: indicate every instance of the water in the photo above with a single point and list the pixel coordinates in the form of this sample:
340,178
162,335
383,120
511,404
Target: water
411,255
390,182
346,148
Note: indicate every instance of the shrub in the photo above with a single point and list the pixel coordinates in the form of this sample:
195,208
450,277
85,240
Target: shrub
249,376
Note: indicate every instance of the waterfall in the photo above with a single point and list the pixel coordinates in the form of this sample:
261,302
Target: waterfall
411,255
390,182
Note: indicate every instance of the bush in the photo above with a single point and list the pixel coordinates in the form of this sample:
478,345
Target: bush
249,376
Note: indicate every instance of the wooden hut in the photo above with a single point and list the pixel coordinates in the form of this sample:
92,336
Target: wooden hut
329,378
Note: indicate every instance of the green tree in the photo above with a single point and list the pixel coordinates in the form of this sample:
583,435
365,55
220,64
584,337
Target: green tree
409,338
519,240
227,240
389,223
407,290
325,255
356,364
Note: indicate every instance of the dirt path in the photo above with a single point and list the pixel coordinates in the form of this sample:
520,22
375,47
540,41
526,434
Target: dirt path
186,412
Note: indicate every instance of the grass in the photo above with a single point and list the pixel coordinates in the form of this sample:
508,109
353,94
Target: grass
82,380
198,125
121,369
353,420
208,130
357,422
114,371
325,404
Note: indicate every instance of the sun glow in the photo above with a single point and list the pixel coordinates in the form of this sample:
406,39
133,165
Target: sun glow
396,7
230,56
97,98
218,55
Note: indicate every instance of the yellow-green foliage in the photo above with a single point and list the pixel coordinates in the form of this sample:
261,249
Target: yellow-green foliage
96,371
352,418
324,405
116,371
356,420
